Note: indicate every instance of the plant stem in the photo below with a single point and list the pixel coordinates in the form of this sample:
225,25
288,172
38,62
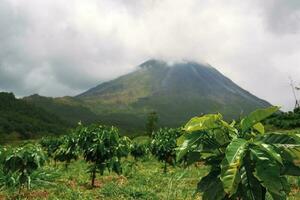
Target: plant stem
93,177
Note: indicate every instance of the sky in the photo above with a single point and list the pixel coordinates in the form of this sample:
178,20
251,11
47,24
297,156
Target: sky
64,47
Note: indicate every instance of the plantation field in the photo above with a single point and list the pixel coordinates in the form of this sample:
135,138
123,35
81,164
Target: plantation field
143,180
207,159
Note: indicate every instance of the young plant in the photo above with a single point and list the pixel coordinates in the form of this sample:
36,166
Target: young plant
139,150
246,162
21,162
68,150
50,145
103,148
163,145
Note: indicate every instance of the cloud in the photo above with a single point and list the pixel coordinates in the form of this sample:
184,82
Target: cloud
61,47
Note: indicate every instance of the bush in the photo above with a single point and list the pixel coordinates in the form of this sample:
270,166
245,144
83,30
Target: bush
139,150
20,163
163,145
103,148
245,161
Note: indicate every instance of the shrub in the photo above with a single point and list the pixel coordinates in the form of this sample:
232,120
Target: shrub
163,145
246,162
103,148
19,164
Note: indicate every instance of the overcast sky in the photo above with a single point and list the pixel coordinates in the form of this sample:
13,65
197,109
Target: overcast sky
63,47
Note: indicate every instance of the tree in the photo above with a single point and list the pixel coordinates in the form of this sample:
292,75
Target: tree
103,148
163,145
246,162
68,150
50,145
151,123
22,162
139,150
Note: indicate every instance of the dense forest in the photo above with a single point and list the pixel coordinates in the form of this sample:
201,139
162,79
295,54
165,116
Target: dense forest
24,120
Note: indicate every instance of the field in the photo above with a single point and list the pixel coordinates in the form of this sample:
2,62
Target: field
142,179
219,160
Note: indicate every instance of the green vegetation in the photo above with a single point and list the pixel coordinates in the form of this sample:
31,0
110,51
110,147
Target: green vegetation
163,145
21,120
245,161
139,150
285,120
68,150
68,109
176,93
234,161
103,148
20,163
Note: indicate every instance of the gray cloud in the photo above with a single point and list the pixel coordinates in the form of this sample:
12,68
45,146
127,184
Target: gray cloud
61,47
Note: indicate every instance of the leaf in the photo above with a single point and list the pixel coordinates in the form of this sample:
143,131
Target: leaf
231,165
291,155
193,157
257,116
290,169
272,152
186,141
205,122
250,186
211,186
279,138
293,150
267,171
259,127
207,181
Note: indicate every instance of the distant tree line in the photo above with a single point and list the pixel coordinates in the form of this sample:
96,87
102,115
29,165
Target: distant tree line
285,120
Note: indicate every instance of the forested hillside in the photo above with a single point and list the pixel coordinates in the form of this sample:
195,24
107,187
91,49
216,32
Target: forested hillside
24,120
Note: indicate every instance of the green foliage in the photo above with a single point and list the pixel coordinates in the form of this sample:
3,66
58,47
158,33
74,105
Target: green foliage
246,163
285,120
18,116
163,145
103,148
68,150
139,150
20,163
51,145
67,108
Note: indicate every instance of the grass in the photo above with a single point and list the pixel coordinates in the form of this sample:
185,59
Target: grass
142,180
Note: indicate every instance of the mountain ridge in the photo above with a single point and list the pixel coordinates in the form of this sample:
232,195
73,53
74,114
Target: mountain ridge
182,89
177,91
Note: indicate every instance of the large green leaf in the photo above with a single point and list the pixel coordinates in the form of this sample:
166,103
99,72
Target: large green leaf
270,149
230,175
293,150
250,188
280,138
208,180
267,171
206,122
257,116
186,142
259,127
211,186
